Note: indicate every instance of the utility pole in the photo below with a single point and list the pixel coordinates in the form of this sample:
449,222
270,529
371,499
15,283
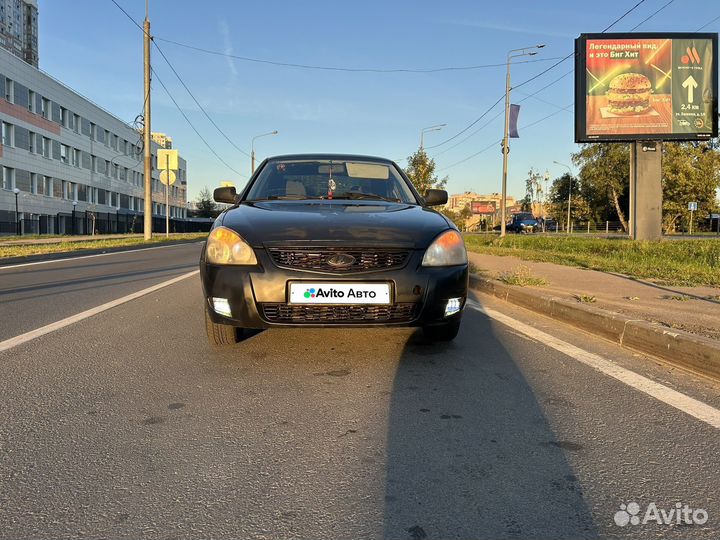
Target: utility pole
514,53
147,222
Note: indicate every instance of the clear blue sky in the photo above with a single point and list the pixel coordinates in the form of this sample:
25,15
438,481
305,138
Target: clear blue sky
93,48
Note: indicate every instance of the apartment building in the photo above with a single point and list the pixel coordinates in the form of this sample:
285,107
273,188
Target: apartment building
19,29
61,154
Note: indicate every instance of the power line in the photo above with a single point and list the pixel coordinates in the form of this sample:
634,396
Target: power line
340,68
568,107
707,24
191,95
543,72
198,103
527,81
651,16
193,127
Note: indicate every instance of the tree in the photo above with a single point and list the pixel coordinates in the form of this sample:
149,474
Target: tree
605,175
558,197
421,171
691,173
205,204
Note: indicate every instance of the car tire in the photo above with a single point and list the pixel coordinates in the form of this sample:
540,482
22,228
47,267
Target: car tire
442,332
220,335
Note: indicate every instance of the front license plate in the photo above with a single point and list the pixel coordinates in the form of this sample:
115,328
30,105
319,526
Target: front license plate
339,293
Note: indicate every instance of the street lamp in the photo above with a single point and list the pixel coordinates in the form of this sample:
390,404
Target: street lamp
428,130
74,203
252,145
514,53
16,191
570,177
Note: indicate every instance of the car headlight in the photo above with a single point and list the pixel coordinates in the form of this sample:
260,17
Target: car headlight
225,246
448,249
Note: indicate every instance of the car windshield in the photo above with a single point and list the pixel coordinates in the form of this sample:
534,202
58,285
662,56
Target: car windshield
330,179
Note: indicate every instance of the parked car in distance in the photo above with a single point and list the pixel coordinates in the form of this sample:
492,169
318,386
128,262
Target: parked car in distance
332,240
524,222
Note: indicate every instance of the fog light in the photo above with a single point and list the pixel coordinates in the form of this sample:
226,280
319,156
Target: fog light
453,306
222,306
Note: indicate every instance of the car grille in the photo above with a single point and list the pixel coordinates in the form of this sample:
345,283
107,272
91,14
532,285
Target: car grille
297,314
365,260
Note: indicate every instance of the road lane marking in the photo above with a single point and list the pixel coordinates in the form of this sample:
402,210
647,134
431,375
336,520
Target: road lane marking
682,402
28,336
95,255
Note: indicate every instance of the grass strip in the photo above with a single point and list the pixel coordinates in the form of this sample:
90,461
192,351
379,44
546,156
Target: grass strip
671,262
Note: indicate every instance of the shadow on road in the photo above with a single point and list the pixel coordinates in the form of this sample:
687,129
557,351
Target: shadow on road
469,452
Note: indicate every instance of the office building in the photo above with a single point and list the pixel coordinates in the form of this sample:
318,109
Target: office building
68,157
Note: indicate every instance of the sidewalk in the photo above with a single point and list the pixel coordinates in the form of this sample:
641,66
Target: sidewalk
695,310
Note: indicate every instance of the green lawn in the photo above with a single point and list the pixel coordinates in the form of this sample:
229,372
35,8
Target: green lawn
106,243
675,262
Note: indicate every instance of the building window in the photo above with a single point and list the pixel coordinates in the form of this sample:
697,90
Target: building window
107,138
93,166
48,185
7,134
92,131
31,142
64,117
107,168
9,86
45,107
33,183
46,147
76,123
63,153
8,178
76,157
31,101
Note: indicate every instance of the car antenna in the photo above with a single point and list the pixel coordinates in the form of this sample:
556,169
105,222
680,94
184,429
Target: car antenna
331,183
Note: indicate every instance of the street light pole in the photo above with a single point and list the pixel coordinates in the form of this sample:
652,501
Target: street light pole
525,51
438,127
570,178
16,191
74,203
252,148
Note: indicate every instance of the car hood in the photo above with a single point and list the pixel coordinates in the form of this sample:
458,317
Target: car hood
334,222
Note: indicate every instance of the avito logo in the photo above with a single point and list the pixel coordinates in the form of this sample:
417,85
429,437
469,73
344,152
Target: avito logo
309,293
630,514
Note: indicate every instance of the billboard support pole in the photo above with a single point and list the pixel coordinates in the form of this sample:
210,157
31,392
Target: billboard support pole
646,190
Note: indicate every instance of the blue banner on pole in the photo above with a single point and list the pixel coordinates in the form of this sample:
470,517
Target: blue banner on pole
514,113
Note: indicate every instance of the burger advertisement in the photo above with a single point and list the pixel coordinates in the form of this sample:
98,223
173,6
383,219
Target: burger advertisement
646,86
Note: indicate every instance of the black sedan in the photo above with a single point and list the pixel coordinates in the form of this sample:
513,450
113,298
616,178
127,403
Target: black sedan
332,240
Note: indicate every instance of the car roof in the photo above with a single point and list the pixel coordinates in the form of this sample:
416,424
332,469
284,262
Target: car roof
340,157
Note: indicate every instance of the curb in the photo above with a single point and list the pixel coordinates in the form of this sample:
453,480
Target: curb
84,252
697,353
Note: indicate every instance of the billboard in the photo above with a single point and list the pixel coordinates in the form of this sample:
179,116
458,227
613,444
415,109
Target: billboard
482,207
641,86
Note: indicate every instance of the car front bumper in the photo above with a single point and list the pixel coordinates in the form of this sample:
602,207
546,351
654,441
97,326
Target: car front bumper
257,295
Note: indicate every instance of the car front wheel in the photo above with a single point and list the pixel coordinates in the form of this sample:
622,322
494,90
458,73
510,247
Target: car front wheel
442,332
220,335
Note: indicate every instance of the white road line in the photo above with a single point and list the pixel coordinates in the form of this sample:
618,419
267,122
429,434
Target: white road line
91,256
686,404
28,336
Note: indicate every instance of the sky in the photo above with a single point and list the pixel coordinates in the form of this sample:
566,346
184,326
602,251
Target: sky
92,47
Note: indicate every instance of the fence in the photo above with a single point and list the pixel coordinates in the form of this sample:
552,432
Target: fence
86,223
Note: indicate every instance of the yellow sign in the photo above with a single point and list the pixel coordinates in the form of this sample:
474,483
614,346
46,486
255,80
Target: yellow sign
164,176
167,159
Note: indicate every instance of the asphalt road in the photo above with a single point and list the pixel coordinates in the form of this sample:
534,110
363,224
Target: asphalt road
127,424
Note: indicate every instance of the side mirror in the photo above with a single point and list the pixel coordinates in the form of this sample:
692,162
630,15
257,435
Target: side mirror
436,197
225,195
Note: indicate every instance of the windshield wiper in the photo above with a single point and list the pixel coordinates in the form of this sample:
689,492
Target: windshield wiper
284,198
358,195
